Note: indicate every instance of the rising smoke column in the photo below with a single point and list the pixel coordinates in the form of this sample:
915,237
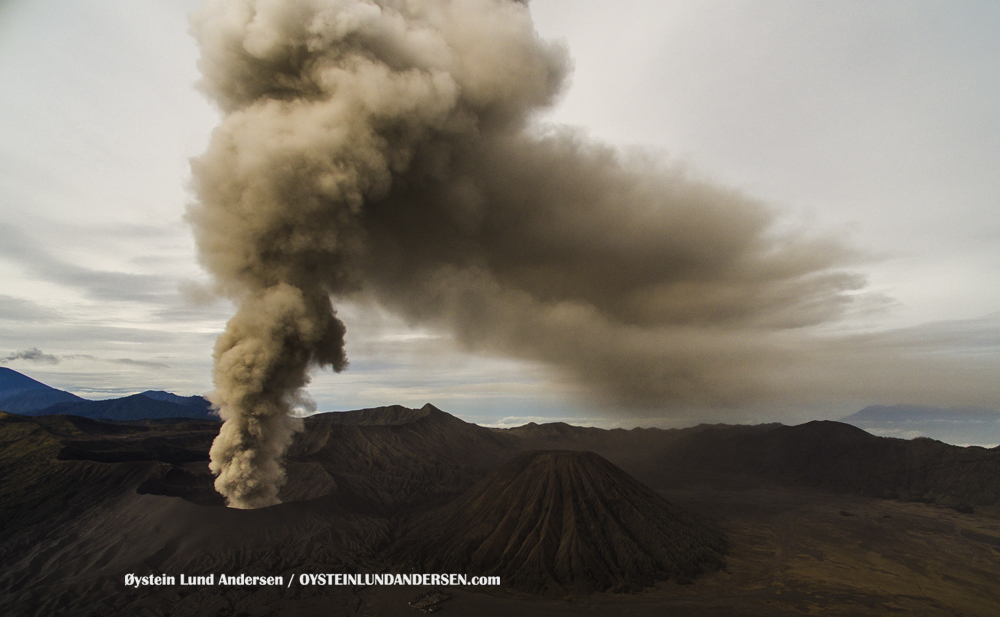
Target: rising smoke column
326,102
386,148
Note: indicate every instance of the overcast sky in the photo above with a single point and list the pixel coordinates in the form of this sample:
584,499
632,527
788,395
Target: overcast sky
874,121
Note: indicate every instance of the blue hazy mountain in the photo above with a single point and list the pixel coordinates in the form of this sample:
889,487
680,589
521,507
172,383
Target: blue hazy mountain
958,425
199,403
21,394
135,407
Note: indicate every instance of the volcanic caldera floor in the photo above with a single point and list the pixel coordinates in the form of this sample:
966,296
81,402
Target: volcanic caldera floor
792,552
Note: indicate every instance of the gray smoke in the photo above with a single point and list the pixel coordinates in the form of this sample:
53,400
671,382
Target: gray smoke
386,148
32,355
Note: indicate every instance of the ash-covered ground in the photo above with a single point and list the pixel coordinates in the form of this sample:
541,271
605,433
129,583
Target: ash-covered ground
711,520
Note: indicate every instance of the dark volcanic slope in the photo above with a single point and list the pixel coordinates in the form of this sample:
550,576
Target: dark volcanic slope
84,502
840,457
393,457
57,466
826,455
557,521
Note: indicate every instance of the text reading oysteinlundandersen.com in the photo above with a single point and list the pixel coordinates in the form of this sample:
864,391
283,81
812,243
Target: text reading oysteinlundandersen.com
158,580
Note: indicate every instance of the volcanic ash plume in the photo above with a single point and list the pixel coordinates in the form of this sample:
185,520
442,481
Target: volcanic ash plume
386,147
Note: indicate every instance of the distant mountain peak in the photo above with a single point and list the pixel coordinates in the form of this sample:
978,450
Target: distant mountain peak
22,394
921,413
12,382
956,425
390,415
195,402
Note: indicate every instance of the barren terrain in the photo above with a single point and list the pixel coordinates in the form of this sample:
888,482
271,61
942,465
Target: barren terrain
818,519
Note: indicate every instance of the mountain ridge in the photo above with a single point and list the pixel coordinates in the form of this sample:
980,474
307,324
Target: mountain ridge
956,425
921,413
133,407
20,393
23,395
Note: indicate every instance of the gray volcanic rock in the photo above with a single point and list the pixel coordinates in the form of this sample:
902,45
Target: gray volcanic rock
557,521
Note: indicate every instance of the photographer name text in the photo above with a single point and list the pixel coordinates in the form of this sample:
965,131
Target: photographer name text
307,580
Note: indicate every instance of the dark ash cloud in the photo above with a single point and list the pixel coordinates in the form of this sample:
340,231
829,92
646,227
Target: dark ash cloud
385,151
